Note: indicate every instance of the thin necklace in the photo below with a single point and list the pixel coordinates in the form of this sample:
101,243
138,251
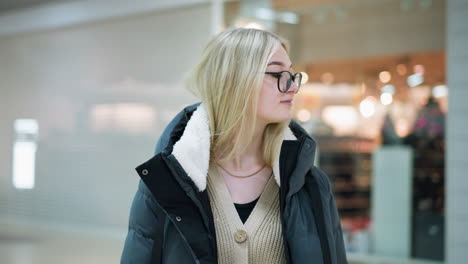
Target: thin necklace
238,176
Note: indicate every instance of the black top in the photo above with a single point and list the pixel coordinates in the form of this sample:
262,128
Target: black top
244,210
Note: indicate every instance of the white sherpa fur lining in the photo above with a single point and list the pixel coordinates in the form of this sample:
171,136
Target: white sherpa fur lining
192,151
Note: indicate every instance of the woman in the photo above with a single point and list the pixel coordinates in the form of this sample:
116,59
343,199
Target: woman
233,179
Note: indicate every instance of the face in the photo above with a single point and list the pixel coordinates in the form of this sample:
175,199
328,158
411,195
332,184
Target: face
274,106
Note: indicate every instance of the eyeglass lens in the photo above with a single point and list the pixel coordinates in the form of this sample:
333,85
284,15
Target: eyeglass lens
286,80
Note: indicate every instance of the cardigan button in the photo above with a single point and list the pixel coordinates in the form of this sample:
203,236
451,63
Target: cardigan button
240,236
144,172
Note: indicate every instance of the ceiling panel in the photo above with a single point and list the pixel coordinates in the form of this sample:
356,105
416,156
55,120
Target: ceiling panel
14,5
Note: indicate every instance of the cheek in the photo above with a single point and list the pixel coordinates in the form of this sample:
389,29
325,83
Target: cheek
265,105
269,108
268,103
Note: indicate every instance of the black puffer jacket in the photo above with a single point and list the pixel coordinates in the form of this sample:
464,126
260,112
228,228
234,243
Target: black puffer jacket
171,219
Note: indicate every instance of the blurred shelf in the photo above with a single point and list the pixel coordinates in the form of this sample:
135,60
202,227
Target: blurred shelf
359,258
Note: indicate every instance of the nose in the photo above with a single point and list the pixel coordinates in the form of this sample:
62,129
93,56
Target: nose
293,88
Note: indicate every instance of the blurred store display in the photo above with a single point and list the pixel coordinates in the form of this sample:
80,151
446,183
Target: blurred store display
428,142
371,67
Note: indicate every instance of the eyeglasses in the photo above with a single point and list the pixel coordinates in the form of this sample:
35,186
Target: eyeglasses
285,78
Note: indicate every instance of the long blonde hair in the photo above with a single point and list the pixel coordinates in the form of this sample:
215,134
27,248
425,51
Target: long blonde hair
228,80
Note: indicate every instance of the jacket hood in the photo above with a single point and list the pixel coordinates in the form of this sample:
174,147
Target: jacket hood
191,148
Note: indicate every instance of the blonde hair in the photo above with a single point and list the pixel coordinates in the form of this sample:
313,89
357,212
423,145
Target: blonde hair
228,80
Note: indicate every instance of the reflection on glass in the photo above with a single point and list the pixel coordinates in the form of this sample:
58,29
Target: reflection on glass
24,153
265,14
415,80
303,115
385,76
244,23
367,106
440,91
305,78
388,89
342,118
131,118
401,69
386,98
24,164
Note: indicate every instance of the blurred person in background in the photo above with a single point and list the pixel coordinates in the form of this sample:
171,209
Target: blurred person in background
233,179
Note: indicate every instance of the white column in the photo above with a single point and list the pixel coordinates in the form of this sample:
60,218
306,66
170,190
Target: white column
391,201
217,16
251,9
456,191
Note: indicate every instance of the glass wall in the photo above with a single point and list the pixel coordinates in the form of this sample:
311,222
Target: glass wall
375,99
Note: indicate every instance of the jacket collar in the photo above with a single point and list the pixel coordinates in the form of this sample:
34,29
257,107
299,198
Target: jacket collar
192,150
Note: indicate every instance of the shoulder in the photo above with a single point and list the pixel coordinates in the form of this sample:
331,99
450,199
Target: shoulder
178,119
322,179
143,190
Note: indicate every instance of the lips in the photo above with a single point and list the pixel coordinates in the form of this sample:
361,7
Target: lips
287,101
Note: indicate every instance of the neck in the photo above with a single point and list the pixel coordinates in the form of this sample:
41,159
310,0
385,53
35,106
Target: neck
252,157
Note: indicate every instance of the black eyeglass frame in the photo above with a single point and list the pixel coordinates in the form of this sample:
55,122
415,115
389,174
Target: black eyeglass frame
292,78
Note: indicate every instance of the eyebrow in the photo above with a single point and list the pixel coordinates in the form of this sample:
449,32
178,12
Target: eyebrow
278,63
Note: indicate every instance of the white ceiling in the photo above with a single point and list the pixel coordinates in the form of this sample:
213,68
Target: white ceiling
15,5
22,16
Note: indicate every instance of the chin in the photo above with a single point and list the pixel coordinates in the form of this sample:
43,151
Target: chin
279,119
286,116
276,116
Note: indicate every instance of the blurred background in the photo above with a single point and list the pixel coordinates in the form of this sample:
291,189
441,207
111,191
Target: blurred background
86,88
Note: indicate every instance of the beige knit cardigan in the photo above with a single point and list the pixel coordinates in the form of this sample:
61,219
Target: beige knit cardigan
259,240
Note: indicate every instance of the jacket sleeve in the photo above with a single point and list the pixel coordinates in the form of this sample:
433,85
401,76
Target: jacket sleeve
338,248
141,229
338,233
142,221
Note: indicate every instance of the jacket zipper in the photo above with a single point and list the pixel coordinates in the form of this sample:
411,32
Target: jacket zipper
187,245
282,210
285,241
194,256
